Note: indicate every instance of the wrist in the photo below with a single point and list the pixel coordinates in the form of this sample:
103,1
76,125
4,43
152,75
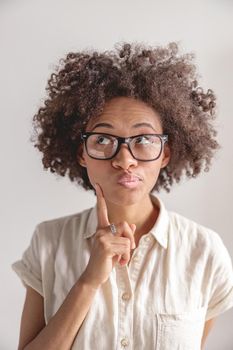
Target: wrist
87,282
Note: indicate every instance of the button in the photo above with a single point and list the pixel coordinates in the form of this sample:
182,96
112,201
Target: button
124,342
136,258
125,296
148,238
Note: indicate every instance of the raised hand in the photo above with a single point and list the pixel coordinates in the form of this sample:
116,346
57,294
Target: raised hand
108,248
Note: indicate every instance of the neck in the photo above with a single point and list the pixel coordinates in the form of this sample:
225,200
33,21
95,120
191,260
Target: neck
133,214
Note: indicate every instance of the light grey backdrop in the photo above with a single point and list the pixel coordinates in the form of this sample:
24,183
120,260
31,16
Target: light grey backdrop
33,36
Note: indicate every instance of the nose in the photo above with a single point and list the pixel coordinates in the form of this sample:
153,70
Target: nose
124,159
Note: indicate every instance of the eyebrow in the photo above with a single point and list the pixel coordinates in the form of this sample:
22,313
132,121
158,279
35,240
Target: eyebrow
138,125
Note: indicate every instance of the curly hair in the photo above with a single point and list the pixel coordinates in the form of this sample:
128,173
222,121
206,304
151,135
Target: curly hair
162,77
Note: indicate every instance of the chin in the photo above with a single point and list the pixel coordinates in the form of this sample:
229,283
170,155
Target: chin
124,198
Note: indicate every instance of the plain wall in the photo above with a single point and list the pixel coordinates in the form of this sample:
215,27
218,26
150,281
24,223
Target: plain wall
33,36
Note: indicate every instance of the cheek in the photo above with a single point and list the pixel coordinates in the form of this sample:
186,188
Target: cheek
153,167
152,173
95,171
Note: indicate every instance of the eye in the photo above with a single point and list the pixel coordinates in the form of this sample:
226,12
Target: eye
102,140
143,139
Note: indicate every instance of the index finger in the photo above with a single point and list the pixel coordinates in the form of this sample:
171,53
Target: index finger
102,211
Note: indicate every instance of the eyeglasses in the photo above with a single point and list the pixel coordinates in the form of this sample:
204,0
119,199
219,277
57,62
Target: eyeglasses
143,147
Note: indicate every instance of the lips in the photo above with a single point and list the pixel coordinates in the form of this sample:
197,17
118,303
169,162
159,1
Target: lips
129,181
128,178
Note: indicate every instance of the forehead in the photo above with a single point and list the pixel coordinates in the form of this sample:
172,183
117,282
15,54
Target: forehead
127,111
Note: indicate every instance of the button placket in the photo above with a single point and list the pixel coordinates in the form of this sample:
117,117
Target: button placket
138,258
125,303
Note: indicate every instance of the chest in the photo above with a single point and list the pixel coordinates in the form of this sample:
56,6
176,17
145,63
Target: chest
141,311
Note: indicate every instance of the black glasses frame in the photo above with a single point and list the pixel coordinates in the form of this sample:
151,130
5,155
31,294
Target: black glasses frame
120,140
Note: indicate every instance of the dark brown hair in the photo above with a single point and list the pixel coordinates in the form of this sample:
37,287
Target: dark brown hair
160,76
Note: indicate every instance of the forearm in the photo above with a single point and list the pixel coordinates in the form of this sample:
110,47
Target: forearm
63,327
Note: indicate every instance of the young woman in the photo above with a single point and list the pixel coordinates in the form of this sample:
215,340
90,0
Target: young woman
126,274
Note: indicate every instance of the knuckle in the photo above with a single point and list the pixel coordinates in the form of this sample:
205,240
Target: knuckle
102,241
125,225
99,234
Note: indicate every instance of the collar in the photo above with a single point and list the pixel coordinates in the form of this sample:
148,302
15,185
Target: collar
159,231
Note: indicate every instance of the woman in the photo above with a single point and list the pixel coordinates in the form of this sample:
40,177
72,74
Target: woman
126,274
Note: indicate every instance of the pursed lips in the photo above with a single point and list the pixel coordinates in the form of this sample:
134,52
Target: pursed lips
126,178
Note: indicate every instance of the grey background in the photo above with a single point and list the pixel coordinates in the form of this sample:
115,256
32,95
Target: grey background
33,36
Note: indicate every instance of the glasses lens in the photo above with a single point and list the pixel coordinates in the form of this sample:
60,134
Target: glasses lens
146,147
101,146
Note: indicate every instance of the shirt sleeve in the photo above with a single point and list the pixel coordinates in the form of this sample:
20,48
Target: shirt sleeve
29,268
221,296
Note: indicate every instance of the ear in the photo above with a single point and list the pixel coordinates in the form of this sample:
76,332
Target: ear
166,155
80,156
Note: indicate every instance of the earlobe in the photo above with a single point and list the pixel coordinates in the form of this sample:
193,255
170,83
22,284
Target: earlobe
82,162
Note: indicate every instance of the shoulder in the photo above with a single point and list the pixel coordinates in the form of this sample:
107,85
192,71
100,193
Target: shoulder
68,219
202,249
55,229
191,233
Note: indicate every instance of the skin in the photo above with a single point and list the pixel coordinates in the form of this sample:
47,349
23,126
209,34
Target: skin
115,203
123,116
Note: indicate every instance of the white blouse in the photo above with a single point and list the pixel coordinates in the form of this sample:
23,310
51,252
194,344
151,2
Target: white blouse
179,276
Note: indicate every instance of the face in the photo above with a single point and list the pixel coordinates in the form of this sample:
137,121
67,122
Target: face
123,179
